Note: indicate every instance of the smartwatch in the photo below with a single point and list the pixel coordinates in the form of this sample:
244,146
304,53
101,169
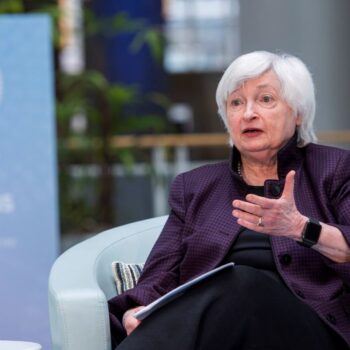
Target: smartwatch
311,233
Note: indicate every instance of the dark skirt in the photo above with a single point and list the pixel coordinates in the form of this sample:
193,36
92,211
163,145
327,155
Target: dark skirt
242,308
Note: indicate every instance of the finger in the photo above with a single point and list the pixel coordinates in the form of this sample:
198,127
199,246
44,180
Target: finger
251,226
248,207
288,191
252,218
136,309
263,202
132,325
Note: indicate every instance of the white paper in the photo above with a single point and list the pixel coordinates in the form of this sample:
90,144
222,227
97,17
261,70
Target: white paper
175,293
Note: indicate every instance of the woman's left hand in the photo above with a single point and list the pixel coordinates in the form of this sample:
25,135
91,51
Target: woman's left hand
277,217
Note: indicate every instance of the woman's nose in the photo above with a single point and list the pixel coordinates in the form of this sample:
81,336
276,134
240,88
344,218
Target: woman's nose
250,111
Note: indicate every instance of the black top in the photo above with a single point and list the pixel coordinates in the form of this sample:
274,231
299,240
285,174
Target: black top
253,248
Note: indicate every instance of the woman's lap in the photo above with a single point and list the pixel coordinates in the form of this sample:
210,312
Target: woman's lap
237,309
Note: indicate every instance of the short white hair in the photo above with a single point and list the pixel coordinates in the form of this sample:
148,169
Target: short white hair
297,87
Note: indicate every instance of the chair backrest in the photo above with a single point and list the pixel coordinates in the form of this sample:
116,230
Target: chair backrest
133,248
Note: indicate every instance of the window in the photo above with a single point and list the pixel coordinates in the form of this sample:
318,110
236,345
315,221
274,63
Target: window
202,35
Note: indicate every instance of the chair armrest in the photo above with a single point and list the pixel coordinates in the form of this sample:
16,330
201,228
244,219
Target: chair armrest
77,305
81,281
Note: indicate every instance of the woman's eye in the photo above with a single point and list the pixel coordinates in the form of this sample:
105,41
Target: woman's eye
266,98
236,102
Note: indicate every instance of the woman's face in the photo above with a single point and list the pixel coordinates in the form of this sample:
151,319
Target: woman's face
259,120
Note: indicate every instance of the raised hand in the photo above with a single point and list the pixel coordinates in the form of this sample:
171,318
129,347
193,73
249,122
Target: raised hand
276,217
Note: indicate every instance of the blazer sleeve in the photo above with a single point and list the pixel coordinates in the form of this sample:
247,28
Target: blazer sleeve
161,270
340,201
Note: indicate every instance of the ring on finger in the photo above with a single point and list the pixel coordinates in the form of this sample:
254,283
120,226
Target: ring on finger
260,222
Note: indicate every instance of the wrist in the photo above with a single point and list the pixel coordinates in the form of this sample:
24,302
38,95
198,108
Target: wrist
299,227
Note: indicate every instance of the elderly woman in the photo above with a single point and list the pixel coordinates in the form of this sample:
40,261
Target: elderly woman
279,209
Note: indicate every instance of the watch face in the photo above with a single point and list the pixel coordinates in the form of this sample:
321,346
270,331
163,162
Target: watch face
313,230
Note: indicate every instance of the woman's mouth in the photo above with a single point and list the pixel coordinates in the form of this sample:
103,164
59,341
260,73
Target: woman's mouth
251,132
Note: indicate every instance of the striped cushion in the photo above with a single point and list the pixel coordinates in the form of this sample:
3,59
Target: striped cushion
125,275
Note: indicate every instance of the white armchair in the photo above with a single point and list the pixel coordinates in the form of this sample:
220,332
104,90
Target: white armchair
81,281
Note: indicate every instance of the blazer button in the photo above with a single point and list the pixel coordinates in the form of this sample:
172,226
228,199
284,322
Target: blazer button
300,294
331,319
285,259
275,190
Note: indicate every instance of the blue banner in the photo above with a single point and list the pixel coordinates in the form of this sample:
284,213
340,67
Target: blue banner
28,181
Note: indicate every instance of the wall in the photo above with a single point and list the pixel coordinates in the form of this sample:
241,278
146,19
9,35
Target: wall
318,32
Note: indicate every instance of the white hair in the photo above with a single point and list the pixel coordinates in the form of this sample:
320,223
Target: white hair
297,87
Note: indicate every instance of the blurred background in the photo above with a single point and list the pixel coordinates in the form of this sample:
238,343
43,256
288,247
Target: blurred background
134,91
133,84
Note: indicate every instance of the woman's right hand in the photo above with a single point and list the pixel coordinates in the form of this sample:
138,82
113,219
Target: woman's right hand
129,321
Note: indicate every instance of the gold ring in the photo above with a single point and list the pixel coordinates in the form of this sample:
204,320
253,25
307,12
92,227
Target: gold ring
260,221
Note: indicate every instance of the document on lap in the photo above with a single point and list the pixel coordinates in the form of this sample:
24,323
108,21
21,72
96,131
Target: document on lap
177,292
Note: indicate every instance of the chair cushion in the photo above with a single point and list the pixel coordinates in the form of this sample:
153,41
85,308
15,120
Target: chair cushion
125,275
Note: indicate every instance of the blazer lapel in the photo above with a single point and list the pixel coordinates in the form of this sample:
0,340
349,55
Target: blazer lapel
226,227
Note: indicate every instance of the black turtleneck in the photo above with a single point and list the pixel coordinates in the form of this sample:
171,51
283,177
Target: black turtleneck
253,248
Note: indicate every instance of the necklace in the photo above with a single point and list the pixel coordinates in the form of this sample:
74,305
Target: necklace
239,171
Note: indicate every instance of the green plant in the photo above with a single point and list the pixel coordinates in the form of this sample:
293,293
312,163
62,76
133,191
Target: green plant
102,104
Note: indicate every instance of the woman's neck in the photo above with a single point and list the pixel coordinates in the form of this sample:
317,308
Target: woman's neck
255,173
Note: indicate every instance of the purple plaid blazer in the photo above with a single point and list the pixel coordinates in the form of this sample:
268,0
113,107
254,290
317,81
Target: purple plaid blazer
201,229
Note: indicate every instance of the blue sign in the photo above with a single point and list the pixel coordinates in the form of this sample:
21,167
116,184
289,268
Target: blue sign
28,182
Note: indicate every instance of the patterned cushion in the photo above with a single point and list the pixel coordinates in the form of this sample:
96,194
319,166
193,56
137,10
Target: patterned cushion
125,275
